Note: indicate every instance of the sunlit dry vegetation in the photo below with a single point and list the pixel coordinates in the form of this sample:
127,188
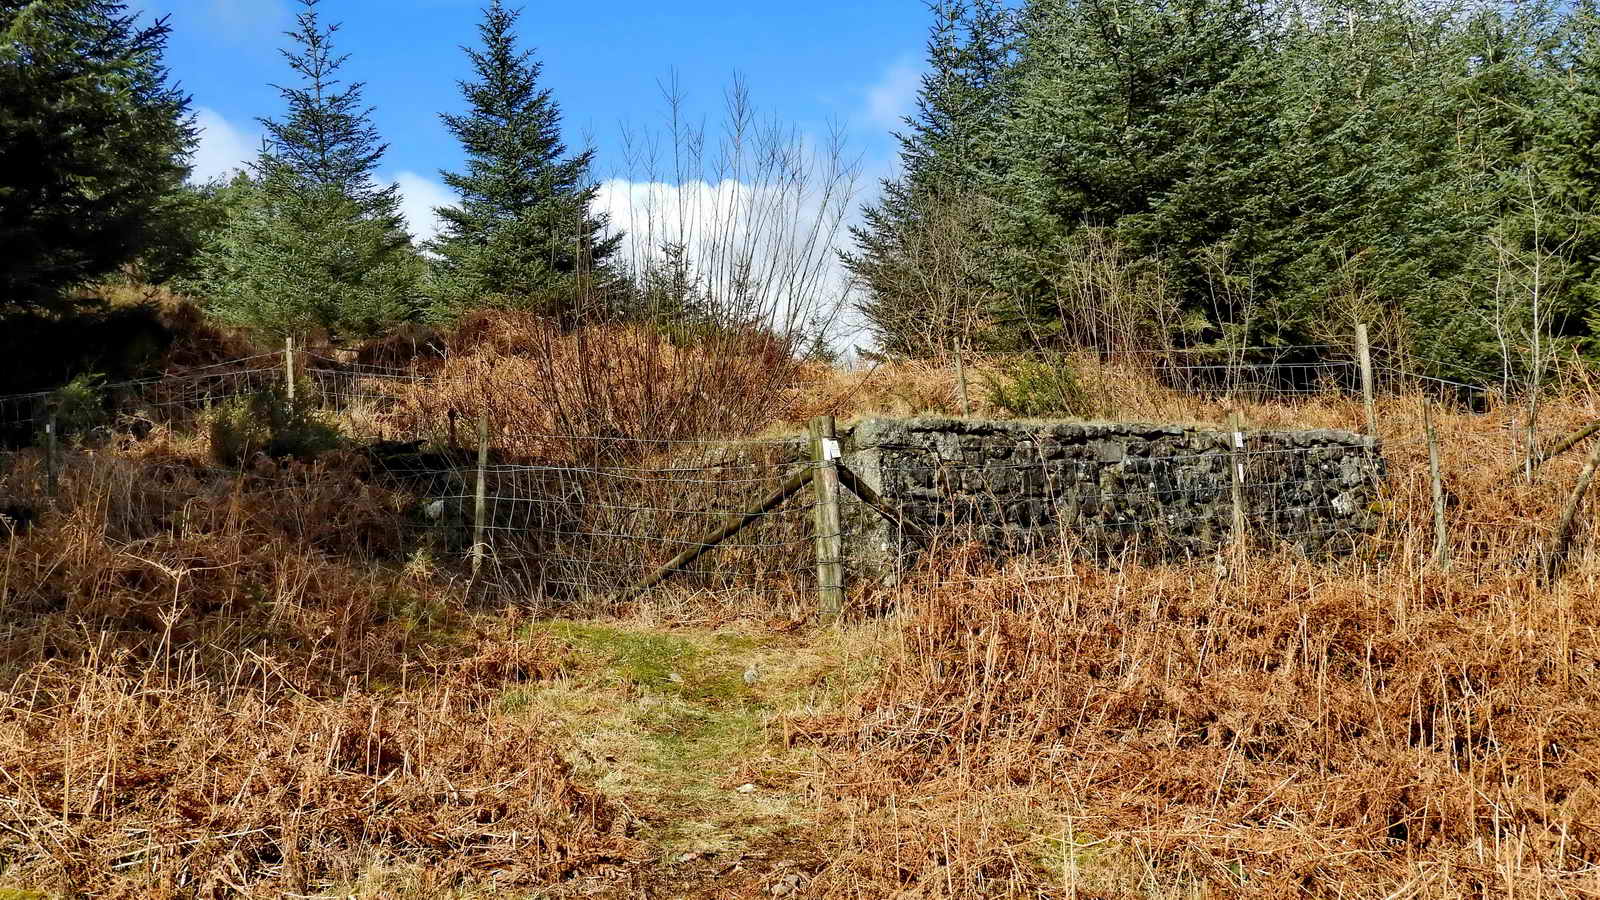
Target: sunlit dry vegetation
262,683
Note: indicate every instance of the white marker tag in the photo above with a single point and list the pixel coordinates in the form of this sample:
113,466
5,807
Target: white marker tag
830,449
1238,439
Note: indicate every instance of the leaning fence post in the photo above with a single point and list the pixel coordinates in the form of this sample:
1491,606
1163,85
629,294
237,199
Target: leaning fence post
288,366
829,524
1558,542
1364,354
481,502
1441,538
1236,454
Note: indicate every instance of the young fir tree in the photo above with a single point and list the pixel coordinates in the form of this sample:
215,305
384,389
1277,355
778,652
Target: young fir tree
918,251
318,244
523,233
93,144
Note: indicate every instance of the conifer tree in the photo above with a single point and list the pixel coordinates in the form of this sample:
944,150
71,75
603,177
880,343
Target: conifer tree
917,251
93,144
318,244
522,233
1567,165
1147,118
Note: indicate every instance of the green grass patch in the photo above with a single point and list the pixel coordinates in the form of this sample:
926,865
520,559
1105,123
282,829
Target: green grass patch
664,719
702,668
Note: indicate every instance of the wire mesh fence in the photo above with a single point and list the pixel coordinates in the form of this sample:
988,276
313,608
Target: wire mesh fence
598,528
171,401
569,516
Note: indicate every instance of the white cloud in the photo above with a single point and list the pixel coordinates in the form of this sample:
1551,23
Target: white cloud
785,232
419,196
223,149
894,95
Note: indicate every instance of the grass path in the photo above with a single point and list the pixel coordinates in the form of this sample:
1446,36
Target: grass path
683,726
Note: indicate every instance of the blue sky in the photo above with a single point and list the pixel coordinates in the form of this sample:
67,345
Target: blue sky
813,64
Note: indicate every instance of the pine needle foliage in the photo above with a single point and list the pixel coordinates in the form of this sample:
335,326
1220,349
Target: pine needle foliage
318,245
1288,169
914,250
94,142
522,234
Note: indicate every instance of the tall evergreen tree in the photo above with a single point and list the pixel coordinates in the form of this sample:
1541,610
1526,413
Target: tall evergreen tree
917,251
523,232
319,244
93,144
1566,166
1149,118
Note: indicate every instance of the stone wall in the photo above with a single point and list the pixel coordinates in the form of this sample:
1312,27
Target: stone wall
1157,490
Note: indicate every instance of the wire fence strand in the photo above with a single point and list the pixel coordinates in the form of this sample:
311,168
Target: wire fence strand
580,514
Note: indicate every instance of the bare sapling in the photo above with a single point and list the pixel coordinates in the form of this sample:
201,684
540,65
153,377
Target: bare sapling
730,254
1525,280
1555,554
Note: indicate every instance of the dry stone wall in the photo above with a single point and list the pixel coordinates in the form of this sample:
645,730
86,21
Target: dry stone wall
1157,490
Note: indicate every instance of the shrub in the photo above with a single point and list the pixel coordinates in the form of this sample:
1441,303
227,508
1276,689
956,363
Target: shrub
1030,387
268,422
79,405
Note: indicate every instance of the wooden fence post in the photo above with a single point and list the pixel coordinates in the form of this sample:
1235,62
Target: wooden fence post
50,462
1441,538
961,381
829,524
1364,354
288,367
480,504
1236,455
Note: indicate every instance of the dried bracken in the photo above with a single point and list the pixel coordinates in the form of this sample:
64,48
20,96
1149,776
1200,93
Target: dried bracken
163,782
214,686
1248,726
270,681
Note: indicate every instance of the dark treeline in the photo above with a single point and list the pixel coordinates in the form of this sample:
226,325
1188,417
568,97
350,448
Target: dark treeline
1161,173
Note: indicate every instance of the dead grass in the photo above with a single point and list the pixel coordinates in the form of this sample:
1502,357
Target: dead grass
627,389
163,781
1129,389
214,686
1362,727
259,684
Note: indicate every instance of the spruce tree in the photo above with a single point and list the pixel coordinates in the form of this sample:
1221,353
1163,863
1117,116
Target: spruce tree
1566,165
523,233
918,253
1146,118
93,144
319,244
